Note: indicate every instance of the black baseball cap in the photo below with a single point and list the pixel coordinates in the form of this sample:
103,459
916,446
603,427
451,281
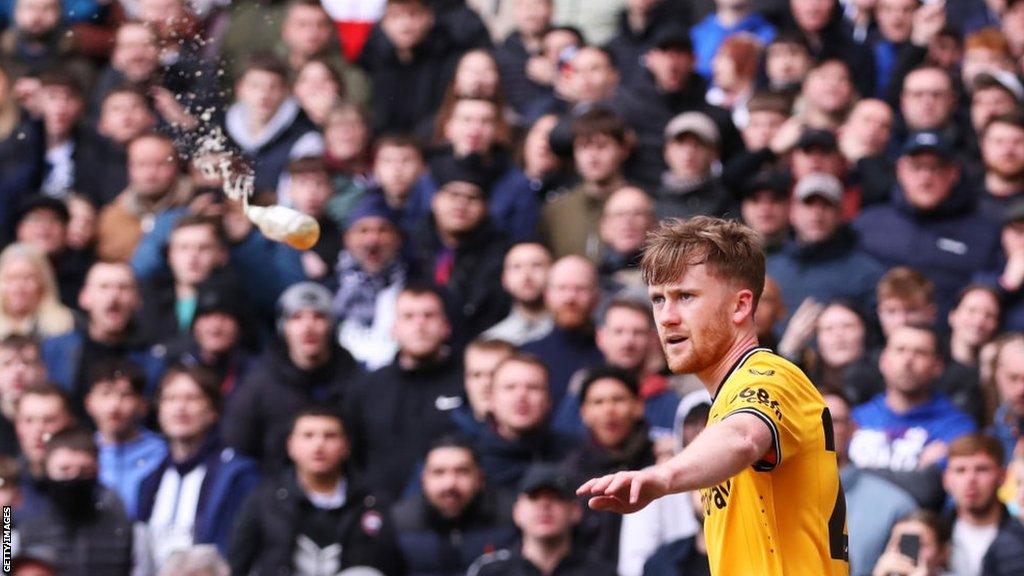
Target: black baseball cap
817,138
927,141
672,36
774,181
547,477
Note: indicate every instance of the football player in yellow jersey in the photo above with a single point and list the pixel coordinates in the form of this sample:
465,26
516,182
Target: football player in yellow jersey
766,464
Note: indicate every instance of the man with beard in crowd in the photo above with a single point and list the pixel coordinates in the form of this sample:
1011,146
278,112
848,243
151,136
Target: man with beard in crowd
304,367
523,277
456,519
571,296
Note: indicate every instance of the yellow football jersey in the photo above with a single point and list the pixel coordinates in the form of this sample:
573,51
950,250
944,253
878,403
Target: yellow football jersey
785,515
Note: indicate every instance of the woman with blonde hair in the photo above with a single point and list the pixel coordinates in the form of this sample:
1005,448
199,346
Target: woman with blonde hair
29,304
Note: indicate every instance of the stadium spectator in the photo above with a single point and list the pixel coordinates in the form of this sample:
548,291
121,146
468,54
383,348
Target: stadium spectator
526,71
196,252
155,185
84,524
973,322
546,512
765,206
457,519
911,424
314,518
822,261
863,139
61,106
601,142
931,532
29,301
127,452
627,216
394,412
1008,373
991,96
1008,277
123,116
571,296
1002,153
689,187
479,361
840,357
731,17
371,272
348,155
109,299
524,276
21,367
616,439
986,539
220,337
624,337
40,413
266,124
44,223
459,249
519,434
409,66
195,493
307,35
302,367
931,223
874,504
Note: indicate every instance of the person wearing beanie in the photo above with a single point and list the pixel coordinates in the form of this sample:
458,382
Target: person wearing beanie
221,338
370,273
458,250
301,367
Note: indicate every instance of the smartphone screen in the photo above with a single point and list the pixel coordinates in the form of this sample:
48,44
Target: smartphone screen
910,546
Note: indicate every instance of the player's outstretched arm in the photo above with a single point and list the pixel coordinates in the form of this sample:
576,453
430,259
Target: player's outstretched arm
720,452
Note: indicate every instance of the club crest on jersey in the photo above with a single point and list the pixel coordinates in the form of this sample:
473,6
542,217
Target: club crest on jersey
371,523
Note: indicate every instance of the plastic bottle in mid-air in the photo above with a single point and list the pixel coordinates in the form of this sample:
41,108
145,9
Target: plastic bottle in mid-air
298,230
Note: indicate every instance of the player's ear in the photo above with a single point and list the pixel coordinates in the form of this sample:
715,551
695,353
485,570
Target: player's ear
743,305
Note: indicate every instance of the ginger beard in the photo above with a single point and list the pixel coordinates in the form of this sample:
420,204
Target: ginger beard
695,333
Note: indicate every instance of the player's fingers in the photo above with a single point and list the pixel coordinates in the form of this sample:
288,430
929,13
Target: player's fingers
634,489
606,504
587,487
618,483
598,485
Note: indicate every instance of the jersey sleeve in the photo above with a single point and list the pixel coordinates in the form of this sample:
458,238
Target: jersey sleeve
765,392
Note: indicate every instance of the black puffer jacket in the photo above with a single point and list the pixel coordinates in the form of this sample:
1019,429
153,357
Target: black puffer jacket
259,413
270,522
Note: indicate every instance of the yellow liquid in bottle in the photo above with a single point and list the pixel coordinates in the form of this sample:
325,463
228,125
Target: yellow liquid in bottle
304,236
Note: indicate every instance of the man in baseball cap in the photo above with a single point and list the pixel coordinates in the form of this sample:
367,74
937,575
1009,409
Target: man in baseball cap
546,511
822,261
689,187
303,367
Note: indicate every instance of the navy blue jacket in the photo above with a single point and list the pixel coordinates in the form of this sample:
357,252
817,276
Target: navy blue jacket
948,244
62,355
1005,556
505,462
833,269
564,353
229,479
437,546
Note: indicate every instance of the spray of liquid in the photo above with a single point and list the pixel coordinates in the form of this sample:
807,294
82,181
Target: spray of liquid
278,223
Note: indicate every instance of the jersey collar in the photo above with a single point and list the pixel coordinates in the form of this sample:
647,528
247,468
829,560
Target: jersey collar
736,366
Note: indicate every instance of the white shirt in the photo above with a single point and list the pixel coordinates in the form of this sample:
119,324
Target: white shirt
172,523
969,546
62,170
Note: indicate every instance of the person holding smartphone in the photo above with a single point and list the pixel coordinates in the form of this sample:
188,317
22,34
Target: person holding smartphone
918,546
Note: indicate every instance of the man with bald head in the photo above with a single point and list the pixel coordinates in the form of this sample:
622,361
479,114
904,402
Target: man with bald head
625,219
571,296
1008,373
862,142
109,298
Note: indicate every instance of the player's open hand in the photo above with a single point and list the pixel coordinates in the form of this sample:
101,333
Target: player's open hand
625,492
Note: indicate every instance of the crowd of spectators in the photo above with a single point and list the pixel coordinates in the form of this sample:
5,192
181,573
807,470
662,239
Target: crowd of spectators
421,391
